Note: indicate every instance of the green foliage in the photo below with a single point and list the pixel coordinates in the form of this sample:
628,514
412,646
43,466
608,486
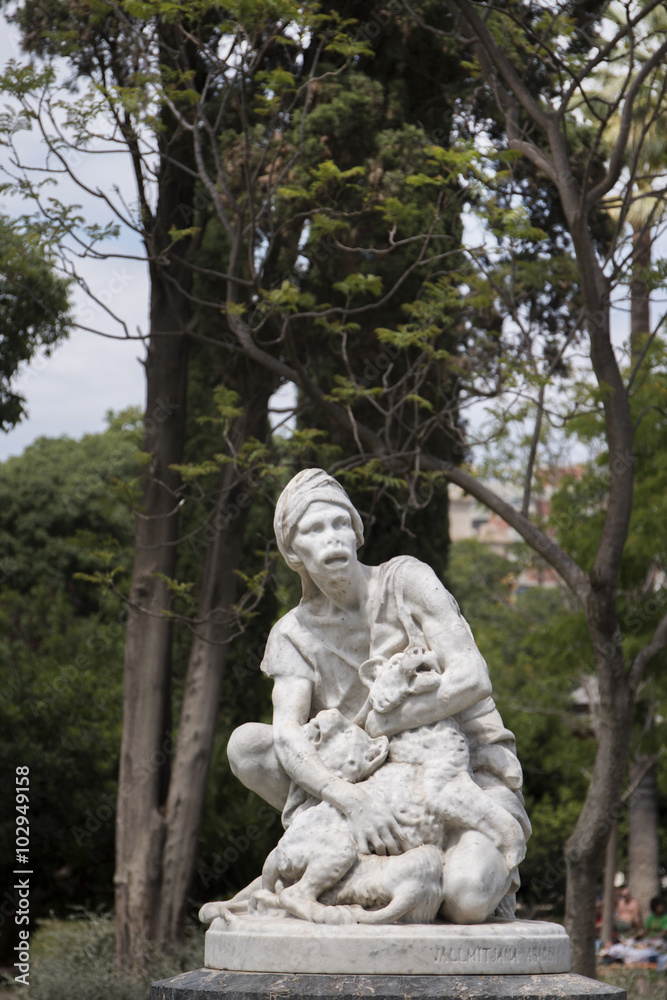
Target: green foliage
535,650
579,503
59,508
34,308
61,655
60,713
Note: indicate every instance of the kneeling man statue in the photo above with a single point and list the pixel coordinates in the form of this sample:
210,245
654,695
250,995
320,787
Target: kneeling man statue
399,785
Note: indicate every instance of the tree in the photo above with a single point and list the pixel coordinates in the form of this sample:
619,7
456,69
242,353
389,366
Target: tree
59,515
223,163
644,211
539,130
541,126
34,306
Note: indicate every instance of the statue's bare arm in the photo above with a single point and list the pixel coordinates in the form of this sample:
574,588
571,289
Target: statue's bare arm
371,822
464,676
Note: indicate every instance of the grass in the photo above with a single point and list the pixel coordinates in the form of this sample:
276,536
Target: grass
74,959
640,984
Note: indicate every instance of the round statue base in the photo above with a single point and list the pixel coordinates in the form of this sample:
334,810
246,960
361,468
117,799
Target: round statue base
244,943
205,984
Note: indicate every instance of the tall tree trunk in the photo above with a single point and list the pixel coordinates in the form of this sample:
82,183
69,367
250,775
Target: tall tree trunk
585,848
146,744
147,669
644,841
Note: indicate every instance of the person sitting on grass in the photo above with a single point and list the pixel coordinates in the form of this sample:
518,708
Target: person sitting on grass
655,925
627,918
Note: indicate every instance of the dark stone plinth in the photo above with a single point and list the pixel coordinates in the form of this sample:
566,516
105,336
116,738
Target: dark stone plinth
207,984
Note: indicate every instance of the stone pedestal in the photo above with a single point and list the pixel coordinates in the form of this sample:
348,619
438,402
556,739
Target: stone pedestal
265,944
206,984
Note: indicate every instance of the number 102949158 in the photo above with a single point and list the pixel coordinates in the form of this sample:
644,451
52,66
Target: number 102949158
22,807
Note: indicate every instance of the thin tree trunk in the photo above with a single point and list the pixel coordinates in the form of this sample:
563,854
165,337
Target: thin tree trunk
585,849
196,734
609,889
145,741
644,841
640,310
581,885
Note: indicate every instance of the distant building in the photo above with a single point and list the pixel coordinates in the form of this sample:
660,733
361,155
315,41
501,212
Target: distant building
469,519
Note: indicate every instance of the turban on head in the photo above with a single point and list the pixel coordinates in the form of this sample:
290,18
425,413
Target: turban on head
305,488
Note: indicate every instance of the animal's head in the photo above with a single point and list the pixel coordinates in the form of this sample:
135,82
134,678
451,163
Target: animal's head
390,682
346,749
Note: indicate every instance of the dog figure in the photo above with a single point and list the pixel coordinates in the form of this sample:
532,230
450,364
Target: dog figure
424,775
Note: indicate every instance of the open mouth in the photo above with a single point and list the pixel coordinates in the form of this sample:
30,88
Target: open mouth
337,559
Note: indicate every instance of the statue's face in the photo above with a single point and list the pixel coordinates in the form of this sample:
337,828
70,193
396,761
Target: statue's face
324,540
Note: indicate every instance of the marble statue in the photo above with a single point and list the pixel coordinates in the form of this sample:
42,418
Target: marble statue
399,785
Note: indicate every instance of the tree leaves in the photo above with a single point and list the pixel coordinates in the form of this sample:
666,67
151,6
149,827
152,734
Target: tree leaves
34,308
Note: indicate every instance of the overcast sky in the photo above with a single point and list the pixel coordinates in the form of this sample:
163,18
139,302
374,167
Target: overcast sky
71,392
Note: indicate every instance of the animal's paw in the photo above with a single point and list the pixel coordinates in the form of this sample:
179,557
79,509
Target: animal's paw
514,844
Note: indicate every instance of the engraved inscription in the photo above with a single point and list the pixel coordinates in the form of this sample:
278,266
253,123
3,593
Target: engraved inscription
475,953
541,953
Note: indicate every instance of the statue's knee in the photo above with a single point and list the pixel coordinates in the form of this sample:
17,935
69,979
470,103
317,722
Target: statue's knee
466,901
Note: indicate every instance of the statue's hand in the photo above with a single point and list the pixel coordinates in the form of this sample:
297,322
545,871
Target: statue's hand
372,823
391,685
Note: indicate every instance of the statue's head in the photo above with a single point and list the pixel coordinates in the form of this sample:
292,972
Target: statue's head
310,494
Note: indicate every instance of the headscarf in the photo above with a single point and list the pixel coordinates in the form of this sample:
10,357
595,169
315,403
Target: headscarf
305,488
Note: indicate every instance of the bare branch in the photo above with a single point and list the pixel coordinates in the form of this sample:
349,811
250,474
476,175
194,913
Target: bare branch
618,153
